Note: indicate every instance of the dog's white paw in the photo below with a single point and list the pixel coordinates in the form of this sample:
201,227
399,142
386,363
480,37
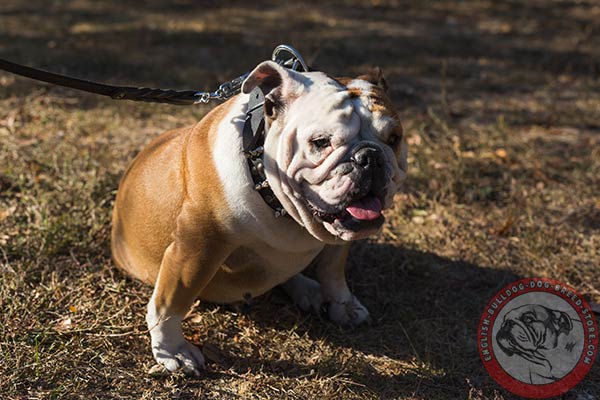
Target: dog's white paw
305,292
349,312
308,296
184,356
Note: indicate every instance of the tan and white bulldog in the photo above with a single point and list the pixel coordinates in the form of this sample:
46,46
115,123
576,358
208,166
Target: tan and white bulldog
188,219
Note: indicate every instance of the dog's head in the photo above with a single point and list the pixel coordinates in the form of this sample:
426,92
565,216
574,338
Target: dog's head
530,328
334,149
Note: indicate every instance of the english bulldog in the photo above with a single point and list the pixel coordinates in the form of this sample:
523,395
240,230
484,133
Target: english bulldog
542,338
188,220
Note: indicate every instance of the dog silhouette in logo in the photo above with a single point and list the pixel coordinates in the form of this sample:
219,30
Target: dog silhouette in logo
542,337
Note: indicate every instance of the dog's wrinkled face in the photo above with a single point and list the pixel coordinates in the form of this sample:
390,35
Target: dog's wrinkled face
530,328
334,151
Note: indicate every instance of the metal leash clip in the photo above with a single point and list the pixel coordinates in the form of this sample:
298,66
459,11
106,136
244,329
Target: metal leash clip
284,55
225,91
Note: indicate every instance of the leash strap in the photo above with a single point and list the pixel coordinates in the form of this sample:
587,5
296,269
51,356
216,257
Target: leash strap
283,54
184,97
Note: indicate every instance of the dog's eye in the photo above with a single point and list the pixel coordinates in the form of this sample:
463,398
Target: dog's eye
321,143
528,319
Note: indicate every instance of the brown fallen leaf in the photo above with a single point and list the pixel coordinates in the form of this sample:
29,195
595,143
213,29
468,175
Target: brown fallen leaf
501,153
505,227
64,325
157,371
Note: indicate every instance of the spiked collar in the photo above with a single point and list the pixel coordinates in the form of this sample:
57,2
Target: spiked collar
253,142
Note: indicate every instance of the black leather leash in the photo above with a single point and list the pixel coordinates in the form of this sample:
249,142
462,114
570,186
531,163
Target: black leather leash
283,54
183,97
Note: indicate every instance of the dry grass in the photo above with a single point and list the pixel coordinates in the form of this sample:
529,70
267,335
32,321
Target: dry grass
500,101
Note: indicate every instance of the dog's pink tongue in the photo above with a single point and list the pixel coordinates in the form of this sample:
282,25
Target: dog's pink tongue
367,208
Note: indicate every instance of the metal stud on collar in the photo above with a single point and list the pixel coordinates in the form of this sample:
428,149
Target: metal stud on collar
280,213
254,153
261,185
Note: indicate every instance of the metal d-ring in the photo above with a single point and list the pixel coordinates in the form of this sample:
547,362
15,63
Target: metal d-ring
293,62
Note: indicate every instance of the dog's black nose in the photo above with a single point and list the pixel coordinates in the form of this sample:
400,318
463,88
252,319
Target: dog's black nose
366,156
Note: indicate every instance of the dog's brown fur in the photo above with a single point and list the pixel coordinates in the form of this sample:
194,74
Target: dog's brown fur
180,213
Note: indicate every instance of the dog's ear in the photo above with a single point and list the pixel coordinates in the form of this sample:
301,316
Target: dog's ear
562,321
275,82
375,76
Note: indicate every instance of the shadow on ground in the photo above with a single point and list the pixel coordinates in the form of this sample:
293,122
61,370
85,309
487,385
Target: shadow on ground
425,311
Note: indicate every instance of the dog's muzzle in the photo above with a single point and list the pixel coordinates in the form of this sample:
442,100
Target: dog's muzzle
369,165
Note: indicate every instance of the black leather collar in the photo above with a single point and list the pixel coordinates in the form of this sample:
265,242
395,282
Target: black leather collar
253,140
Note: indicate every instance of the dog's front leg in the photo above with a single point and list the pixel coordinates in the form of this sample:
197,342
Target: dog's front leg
331,290
188,264
343,307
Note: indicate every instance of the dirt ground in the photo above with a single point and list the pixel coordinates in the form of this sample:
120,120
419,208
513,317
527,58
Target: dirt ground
500,101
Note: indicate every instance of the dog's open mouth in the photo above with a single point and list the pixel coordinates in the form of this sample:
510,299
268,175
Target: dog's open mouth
361,214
